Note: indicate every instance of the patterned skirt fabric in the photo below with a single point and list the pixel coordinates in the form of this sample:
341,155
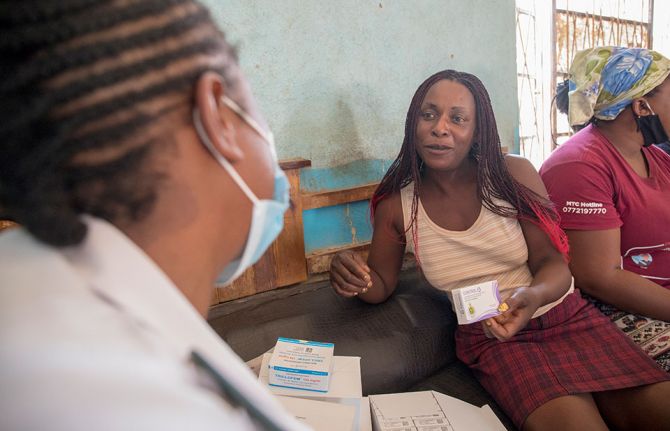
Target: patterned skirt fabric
653,336
571,349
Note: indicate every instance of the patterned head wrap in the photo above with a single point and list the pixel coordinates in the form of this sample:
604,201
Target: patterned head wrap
605,80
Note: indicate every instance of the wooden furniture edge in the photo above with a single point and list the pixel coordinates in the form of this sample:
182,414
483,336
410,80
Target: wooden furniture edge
333,197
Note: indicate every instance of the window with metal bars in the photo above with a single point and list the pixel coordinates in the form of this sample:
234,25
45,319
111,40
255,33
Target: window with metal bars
549,33
580,25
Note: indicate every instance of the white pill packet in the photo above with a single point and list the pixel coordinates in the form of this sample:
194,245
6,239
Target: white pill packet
476,302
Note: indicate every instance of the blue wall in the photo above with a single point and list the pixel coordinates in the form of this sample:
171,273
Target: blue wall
342,224
334,80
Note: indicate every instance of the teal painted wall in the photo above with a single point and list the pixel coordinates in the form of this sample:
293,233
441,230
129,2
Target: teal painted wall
334,80
337,225
342,224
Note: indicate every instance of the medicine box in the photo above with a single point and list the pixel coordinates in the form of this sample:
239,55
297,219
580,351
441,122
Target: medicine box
301,364
429,411
476,302
345,387
321,415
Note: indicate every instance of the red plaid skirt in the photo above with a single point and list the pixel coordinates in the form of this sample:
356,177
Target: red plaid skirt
569,350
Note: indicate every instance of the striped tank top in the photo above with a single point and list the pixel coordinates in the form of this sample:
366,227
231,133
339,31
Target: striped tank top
493,248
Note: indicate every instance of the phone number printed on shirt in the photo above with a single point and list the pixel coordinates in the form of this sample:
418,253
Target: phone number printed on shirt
576,207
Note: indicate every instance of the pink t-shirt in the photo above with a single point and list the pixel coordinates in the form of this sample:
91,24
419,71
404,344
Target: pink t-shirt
594,188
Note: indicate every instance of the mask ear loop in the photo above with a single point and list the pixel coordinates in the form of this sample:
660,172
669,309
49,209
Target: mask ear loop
637,117
202,134
648,107
267,136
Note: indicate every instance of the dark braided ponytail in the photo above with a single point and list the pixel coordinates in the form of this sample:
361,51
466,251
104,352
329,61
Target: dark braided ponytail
494,182
84,83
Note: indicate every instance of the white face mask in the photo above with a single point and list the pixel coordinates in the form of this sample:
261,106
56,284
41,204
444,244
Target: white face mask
267,215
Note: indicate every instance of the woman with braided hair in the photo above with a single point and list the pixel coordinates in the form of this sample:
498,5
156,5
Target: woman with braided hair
470,215
133,156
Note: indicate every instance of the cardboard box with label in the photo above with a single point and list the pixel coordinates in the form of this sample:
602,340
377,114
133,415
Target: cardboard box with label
476,302
301,364
429,411
320,415
345,389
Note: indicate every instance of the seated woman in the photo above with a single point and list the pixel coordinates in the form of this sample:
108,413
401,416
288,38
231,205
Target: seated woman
470,215
612,189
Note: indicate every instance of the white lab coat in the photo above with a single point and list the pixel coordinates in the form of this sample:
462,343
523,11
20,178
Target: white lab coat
96,337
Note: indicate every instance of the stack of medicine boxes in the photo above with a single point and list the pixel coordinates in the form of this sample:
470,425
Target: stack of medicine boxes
321,389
